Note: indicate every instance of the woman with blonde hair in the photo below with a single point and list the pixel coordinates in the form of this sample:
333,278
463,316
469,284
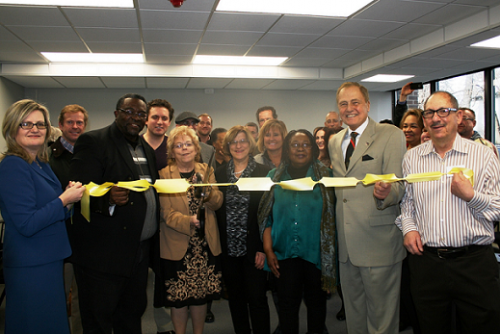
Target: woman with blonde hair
270,143
35,210
189,274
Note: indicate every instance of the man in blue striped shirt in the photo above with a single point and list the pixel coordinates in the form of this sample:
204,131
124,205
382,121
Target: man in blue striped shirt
448,226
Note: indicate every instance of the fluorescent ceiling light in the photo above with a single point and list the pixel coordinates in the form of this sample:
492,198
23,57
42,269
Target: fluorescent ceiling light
72,3
68,57
387,78
488,43
228,60
335,8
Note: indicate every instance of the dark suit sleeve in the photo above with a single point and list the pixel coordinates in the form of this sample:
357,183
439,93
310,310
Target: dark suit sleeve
87,166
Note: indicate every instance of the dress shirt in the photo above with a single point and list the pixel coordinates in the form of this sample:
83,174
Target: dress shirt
347,138
441,218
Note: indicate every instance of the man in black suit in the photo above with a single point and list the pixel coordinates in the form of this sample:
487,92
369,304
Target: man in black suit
111,252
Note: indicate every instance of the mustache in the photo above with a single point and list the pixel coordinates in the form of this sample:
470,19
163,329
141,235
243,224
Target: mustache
437,124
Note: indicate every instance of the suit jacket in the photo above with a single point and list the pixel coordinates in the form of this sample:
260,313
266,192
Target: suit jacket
175,228
60,159
254,243
108,243
367,234
34,215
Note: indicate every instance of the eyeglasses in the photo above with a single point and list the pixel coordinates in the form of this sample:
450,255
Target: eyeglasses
130,112
30,125
306,146
182,145
236,142
442,112
468,119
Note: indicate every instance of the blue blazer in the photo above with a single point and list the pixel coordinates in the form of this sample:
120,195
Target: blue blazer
35,231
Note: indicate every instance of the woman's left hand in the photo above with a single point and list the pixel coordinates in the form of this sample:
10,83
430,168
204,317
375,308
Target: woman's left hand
259,260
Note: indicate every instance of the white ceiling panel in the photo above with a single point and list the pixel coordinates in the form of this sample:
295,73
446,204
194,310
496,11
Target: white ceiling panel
288,84
469,54
305,25
222,50
109,34
331,85
159,19
365,28
382,44
287,40
35,82
229,37
167,83
306,62
249,83
170,49
14,46
274,51
23,57
124,82
189,5
115,47
105,18
403,11
171,36
57,46
448,14
241,22
203,83
341,42
80,82
45,33
39,16
411,31
321,53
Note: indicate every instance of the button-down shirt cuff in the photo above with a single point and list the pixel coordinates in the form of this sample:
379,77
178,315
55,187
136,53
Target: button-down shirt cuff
479,202
408,225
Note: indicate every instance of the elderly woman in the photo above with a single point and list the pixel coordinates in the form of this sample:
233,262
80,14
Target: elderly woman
242,252
188,248
412,125
270,143
299,235
34,209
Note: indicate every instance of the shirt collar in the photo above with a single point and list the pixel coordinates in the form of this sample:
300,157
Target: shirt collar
66,144
360,128
459,145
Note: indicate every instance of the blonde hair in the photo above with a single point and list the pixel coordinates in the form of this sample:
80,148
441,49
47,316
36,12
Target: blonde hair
14,116
268,125
233,133
182,131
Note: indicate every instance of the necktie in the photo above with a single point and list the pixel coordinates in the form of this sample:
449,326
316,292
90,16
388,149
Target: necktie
350,149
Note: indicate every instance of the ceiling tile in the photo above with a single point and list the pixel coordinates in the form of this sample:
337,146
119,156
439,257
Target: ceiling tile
311,52
170,49
80,82
365,28
287,40
249,83
469,54
56,46
170,83
229,37
45,33
382,44
109,34
411,31
288,84
222,50
112,47
241,22
14,46
202,83
448,14
21,57
171,36
331,85
306,62
403,11
344,42
305,25
98,17
273,51
190,5
124,82
159,19
32,16
35,82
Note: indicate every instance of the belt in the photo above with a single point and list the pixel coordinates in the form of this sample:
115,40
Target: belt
453,253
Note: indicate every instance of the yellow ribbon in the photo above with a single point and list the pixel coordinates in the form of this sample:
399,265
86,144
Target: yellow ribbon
174,186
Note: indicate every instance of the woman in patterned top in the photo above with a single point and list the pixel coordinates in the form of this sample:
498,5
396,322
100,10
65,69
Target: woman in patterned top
242,252
189,274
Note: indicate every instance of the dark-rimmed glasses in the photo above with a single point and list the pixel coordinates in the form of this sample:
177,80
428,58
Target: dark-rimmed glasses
129,112
442,112
30,125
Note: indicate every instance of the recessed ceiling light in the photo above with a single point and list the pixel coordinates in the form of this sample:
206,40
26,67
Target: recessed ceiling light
387,78
72,3
335,8
68,57
488,43
228,60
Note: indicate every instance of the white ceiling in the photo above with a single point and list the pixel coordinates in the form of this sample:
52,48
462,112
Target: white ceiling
429,39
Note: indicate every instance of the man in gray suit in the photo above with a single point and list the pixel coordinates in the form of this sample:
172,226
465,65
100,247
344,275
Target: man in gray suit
370,244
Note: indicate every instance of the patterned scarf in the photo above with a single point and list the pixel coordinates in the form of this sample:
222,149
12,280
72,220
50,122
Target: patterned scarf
328,233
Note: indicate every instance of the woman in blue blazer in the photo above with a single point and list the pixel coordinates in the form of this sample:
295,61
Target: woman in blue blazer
34,209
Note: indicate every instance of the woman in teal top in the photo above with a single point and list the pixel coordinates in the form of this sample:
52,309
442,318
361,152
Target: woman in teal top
298,231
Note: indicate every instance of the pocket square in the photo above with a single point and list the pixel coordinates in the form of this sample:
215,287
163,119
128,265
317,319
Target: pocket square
366,158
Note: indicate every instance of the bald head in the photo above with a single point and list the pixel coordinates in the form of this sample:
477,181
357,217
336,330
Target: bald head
333,120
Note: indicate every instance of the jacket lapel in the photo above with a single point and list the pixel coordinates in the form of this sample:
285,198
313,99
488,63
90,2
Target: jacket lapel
44,171
364,142
122,147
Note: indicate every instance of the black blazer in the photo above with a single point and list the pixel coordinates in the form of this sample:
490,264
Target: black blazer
108,244
254,243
